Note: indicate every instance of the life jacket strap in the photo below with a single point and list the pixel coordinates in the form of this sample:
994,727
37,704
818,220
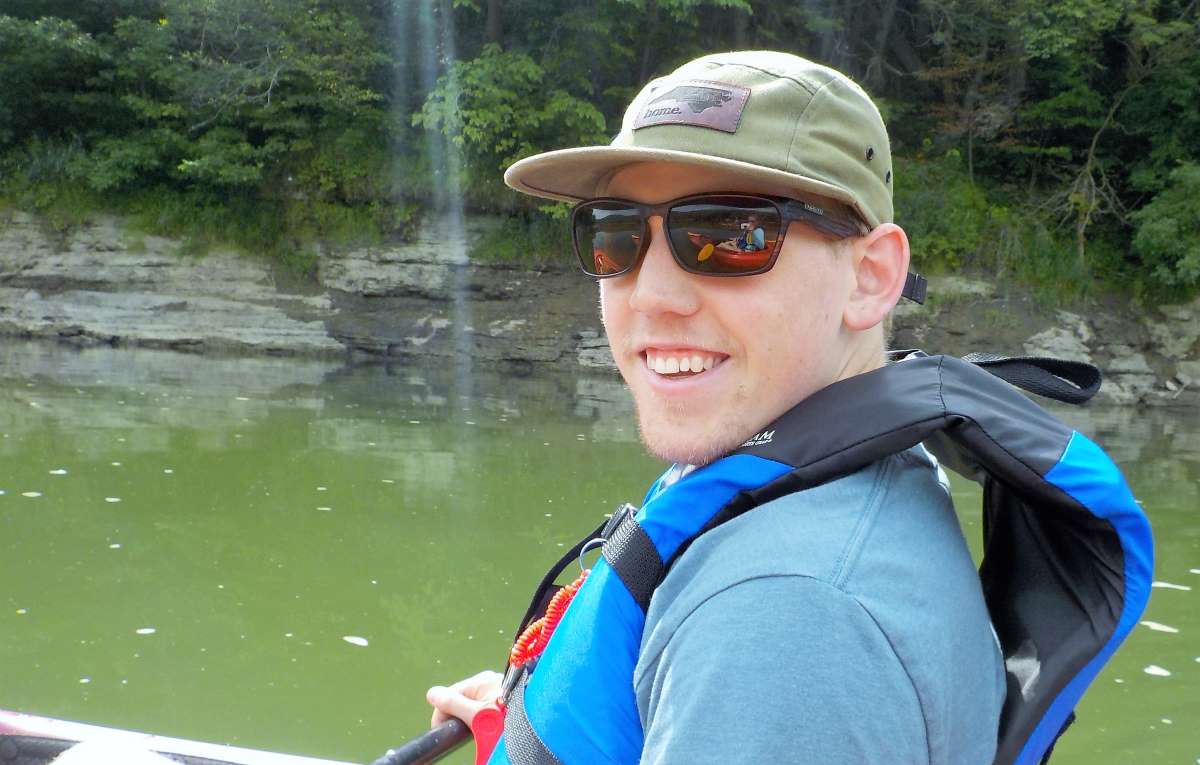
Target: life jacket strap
546,588
521,742
635,560
1072,382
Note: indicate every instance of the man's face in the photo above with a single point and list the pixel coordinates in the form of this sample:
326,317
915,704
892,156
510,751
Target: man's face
762,343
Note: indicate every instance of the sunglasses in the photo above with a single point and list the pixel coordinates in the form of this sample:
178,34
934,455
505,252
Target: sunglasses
711,234
708,234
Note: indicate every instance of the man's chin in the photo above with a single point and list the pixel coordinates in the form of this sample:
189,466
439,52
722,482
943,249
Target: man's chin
685,446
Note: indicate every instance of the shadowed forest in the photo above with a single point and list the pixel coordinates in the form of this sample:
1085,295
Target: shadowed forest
1051,143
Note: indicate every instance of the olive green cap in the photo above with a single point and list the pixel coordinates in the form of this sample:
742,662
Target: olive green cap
762,116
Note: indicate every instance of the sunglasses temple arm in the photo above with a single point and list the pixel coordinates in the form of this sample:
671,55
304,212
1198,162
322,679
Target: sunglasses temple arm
915,287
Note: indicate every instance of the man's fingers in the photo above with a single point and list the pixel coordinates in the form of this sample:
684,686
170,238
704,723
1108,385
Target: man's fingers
484,685
464,698
448,703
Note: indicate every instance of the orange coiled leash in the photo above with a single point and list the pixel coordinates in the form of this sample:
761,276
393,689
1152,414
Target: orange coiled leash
535,637
489,721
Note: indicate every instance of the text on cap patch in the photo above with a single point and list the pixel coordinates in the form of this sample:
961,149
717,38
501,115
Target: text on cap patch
701,103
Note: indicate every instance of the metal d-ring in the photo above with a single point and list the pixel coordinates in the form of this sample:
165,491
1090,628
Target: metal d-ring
591,543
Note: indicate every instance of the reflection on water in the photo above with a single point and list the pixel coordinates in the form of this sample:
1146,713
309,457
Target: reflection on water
284,553
269,511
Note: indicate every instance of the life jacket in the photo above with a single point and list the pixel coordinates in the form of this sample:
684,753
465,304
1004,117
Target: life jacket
1066,571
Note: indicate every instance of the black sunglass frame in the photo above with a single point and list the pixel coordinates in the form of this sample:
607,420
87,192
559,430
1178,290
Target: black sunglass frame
789,210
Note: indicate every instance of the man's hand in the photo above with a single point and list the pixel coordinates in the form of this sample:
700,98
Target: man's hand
464,698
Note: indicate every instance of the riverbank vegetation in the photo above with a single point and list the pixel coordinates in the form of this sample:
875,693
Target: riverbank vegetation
1051,142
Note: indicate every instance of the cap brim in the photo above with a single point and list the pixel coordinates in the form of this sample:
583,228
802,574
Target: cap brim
572,175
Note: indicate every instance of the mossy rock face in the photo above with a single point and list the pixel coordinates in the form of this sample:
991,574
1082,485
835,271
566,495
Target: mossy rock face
1188,373
1175,329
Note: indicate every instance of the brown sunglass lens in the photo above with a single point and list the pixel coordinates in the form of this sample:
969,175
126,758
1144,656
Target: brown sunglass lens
724,235
608,236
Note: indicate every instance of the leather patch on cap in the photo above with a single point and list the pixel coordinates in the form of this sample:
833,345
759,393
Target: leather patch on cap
701,103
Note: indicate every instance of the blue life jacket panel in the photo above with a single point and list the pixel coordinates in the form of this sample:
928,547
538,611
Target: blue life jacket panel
1066,573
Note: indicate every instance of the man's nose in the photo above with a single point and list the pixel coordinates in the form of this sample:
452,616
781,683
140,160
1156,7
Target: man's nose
661,286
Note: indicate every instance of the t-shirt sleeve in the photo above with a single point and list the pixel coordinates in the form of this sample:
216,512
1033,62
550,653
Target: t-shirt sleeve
759,239
780,669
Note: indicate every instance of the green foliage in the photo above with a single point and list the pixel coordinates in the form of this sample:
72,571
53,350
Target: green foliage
42,65
945,214
682,10
1052,142
498,109
1025,248
92,16
243,123
1067,26
538,236
1167,237
289,233
1159,120
224,157
127,161
955,225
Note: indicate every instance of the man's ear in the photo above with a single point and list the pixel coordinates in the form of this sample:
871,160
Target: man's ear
880,263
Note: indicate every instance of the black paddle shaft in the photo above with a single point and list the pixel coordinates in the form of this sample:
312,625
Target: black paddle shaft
430,746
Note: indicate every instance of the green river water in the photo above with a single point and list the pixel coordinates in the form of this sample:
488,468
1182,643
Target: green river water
283,554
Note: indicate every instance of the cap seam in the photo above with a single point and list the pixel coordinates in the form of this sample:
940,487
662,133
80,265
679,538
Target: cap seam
800,121
779,75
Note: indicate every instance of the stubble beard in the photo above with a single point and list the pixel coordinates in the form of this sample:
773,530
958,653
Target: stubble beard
664,437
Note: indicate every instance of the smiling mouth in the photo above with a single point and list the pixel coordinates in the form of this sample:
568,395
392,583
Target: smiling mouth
680,364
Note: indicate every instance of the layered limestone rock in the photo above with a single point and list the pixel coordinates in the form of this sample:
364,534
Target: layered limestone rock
100,285
425,299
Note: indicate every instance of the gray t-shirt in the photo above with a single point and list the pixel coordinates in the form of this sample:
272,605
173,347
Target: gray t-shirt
843,624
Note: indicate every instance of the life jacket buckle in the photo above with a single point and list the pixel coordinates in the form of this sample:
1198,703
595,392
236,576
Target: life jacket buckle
622,512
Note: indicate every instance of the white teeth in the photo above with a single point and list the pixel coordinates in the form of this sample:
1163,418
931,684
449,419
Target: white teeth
664,364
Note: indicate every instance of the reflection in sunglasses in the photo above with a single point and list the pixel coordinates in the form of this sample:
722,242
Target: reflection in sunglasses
717,234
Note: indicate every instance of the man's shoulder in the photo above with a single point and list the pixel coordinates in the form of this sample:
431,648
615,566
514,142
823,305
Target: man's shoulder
885,542
830,532
886,536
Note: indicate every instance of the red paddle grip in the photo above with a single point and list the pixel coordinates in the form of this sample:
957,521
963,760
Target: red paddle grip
486,727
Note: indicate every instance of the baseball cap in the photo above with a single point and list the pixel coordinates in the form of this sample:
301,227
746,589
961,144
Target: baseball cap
760,116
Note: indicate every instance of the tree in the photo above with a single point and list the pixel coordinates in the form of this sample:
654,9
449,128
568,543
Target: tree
1168,232
498,109
42,64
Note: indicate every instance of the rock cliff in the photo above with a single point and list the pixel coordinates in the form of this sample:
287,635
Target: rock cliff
103,285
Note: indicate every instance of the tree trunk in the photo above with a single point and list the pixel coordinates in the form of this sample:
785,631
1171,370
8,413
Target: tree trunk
741,29
971,153
874,77
1018,69
970,103
495,22
906,55
648,41
830,41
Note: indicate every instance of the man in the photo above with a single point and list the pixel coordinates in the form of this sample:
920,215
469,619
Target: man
841,624
753,237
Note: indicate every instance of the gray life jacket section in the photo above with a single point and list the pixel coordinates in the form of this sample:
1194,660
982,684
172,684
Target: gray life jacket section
1068,553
